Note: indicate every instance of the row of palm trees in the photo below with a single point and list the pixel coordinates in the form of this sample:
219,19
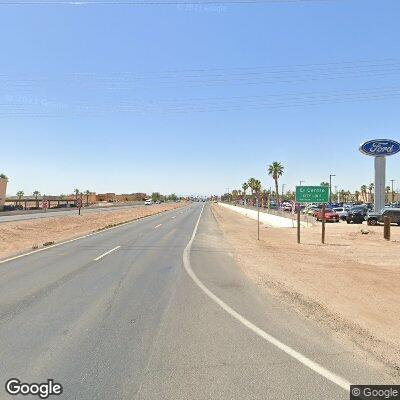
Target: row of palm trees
20,194
275,170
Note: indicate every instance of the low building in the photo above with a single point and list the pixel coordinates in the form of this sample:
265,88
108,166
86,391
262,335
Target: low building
131,197
109,197
3,189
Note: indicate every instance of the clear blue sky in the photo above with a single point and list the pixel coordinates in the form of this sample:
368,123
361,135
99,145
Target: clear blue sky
195,99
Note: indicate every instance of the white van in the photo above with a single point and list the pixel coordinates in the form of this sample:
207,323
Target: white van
148,202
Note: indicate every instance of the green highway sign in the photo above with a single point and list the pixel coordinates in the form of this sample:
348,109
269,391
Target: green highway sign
312,194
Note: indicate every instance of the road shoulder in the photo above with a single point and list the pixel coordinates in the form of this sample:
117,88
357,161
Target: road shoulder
322,289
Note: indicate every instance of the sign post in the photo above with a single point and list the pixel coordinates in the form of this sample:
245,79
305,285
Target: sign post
79,205
312,194
380,148
298,224
45,205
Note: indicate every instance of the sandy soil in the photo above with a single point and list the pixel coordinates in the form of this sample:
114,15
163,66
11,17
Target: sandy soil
20,236
351,284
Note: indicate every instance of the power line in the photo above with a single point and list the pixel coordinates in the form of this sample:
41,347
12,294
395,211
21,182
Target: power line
156,3
211,77
199,105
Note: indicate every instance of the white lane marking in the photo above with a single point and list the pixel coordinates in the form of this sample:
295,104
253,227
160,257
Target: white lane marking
319,369
106,253
83,237
157,226
173,217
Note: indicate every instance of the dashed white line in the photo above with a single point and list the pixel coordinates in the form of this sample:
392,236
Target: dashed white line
173,217
106,254
157,226
319,369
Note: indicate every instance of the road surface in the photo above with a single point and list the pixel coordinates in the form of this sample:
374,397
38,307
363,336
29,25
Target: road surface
130,314
59,212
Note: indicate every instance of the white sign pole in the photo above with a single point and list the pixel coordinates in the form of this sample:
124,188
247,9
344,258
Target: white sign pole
380,178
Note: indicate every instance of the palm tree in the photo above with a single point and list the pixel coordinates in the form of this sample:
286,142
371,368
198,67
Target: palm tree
276,170
4,176
364,193
371,188
36,193
357,196
20,195
76,193
245,186
251,184
324,183
87,197
257,187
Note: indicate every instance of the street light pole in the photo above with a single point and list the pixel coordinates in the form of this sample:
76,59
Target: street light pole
330,188
301,183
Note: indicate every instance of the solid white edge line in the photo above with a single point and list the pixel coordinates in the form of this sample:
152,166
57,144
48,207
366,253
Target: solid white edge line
157,226
106,253
83,237
319,369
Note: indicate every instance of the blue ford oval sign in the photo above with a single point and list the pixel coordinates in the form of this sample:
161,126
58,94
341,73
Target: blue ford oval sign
380,147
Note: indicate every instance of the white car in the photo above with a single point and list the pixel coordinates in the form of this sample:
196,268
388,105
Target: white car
148,202
341,211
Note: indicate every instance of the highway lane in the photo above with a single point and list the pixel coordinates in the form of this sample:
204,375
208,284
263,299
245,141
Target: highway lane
20,216
116,316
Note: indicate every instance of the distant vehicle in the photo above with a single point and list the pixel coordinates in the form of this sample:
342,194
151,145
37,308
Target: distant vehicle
287,207
341,212
158,202
148,202
374,218
8,207
330,215
313,210
357,214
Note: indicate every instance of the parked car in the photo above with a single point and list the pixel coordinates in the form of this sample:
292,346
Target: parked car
311,210
341,212
287,207
330,215
357,214
374,218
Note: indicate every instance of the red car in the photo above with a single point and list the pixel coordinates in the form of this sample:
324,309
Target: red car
330,215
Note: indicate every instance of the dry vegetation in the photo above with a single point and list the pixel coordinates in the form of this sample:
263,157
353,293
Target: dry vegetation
350,284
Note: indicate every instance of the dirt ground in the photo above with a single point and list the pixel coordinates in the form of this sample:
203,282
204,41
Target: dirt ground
20,236
351,284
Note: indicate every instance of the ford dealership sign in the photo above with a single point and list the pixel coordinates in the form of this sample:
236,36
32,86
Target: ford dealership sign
380,147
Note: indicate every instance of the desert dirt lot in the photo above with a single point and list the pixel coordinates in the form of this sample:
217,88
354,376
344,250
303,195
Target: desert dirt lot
351,284
20,236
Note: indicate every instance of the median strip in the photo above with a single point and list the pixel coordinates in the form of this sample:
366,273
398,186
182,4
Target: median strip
106,254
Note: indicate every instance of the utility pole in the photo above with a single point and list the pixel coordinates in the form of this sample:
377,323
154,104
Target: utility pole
330,188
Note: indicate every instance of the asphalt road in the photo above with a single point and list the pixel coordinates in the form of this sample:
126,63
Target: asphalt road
58,212
130,314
